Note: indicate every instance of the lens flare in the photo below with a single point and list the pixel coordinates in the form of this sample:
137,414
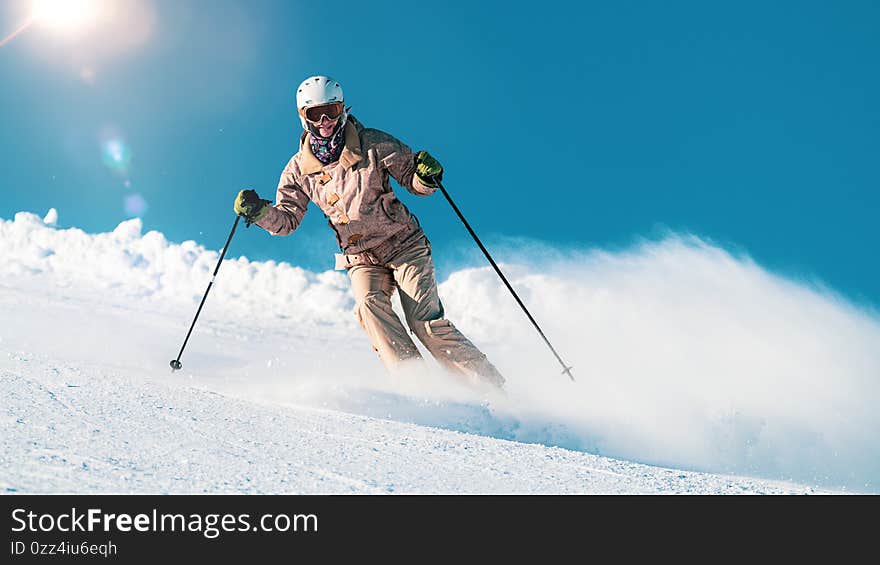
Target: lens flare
18,31
87,75
116,155
135,205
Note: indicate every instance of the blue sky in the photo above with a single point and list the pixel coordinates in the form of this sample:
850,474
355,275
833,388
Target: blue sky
754,124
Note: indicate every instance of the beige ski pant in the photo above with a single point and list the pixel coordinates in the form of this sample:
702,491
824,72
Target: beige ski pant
411,272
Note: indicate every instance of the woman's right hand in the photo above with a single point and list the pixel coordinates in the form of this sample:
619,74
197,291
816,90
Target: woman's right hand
250,205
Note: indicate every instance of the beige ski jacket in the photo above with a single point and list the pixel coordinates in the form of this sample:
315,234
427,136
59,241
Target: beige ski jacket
354,193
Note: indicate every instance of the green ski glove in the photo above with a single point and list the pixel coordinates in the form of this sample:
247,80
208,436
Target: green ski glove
250,205
428,167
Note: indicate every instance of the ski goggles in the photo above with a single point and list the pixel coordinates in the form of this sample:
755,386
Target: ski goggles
315,114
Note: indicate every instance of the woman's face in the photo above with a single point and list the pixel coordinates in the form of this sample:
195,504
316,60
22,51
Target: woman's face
325,128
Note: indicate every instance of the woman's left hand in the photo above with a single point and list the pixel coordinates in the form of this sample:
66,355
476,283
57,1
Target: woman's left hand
428,169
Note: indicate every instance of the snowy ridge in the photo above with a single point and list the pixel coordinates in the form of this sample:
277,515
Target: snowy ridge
686,356
147,267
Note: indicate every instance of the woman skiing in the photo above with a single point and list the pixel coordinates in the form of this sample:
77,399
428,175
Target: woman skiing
344,169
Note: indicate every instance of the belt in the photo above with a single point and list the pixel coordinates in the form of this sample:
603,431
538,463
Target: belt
346,261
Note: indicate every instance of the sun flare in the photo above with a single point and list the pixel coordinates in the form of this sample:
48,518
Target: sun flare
70,15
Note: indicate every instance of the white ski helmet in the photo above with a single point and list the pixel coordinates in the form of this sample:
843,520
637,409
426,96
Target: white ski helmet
317,90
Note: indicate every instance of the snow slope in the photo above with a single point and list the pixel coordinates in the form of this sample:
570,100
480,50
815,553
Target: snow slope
698,372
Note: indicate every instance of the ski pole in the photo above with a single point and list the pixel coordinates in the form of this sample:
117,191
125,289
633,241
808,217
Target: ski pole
566,369
175,364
